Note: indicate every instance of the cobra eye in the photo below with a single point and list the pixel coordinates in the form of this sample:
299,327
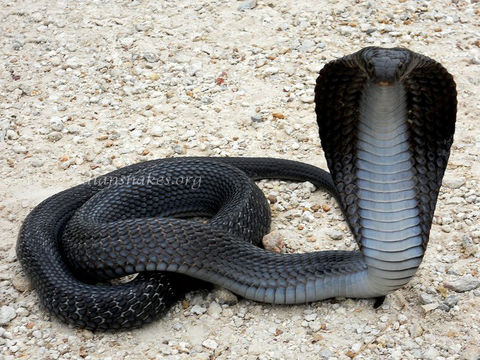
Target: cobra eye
400,68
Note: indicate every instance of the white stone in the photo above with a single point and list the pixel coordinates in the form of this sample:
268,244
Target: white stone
195,68
315,325
127,41
430,354
157,131
247,5
198,310
307,99
356,347
56,123
214,310
308,216
19,149
463,284
210,344
453,182
334,234
7,313
72,63
384,318
11,135
271,70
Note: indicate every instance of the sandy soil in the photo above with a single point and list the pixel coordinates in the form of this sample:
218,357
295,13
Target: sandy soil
90,86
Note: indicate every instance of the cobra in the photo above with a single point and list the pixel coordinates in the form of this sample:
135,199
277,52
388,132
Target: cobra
386,120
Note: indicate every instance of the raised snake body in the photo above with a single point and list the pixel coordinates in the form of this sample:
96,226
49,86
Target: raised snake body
386,119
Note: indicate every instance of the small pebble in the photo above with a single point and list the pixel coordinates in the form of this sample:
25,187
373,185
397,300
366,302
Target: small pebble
157,131
307,45
273,241
429,307
415,330
257,118
55,136
21,283
430,354
150,57
426,298
463,284
453,182
11,135
334,234
356,347
271,70
307,99
224,297
127,41
475,60
315,325
19,149
325,354
7,313
247,5
198,310
451,300
214,310
402,318
210,344
56,123
272,199
72,63
36,163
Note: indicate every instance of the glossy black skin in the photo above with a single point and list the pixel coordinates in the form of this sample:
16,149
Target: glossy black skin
431,100
386,66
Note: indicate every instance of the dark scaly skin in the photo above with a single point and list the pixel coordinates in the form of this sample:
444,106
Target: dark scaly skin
432,106
432,103
76,299
72,294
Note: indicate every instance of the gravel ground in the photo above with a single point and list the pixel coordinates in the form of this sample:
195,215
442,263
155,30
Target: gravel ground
90,86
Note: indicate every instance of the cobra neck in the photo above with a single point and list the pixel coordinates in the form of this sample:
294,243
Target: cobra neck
390,232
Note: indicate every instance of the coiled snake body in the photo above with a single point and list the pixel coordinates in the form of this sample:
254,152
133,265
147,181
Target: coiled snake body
386,120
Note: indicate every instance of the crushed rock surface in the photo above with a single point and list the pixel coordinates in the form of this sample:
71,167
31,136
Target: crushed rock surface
87,87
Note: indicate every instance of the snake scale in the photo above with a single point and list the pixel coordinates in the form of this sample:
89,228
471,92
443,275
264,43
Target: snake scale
386,121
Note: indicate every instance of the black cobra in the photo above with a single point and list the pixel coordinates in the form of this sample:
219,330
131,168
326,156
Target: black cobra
386,119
